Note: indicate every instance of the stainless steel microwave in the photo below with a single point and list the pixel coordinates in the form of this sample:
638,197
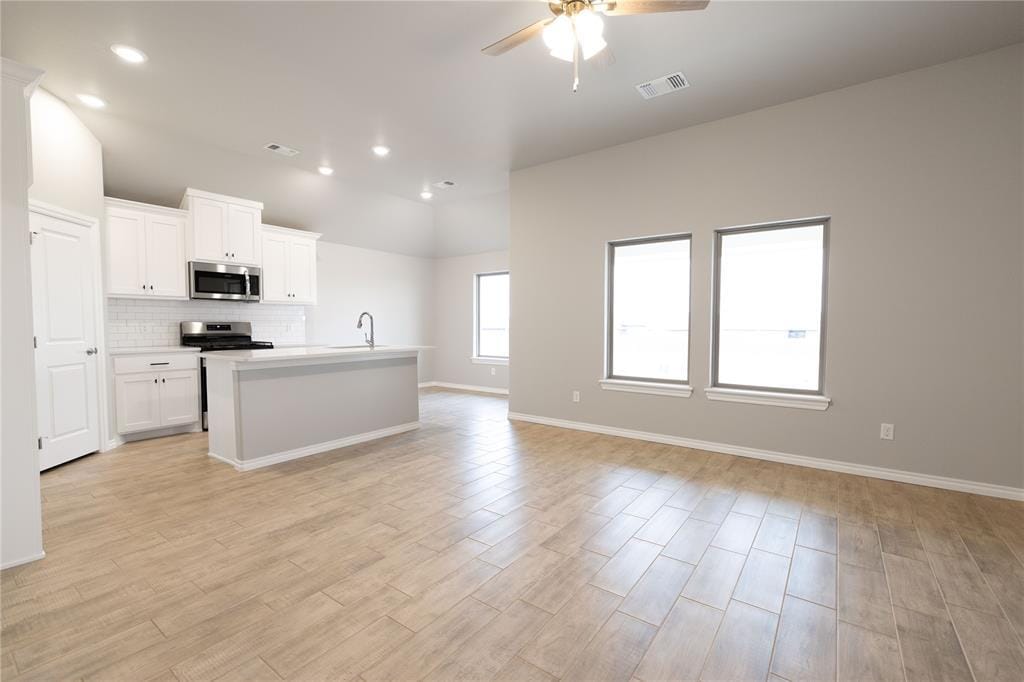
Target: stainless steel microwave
223,282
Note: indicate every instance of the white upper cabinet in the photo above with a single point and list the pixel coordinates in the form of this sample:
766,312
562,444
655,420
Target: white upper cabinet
145,251
223,229
289,265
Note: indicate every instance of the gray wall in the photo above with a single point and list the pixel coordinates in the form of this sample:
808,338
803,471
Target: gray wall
922,175
397,290
453,320
21,537
475,225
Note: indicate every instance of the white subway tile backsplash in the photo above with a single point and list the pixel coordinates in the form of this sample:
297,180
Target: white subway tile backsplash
133,323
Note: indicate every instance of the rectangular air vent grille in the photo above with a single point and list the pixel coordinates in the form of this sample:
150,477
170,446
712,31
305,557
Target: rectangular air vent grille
663,86
281,149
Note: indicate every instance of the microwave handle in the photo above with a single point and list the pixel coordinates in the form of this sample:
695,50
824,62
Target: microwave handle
248,290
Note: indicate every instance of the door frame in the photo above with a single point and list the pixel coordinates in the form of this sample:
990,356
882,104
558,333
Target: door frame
102,375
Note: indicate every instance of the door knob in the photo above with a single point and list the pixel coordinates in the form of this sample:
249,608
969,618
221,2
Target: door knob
91,351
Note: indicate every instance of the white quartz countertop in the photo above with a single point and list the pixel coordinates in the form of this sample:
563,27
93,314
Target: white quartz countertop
152,350
308,353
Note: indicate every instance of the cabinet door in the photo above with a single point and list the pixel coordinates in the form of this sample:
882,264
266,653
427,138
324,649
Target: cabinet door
179,397
165,256
243,235
275,268
138,402
126,253
209,227
302,270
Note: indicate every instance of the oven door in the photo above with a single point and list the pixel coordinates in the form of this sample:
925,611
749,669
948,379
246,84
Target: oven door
223,282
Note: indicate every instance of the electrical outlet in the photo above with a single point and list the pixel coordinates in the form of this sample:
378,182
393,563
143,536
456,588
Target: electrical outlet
575,396
494,371
888,432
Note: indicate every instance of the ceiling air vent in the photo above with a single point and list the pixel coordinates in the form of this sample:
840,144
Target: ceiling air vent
281,149
662,86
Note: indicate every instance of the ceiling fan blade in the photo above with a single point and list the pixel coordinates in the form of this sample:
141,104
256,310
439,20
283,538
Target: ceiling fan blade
516,39
617,8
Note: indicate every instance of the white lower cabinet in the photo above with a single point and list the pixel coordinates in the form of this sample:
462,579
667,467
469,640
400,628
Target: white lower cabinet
179,398
138,402
155,392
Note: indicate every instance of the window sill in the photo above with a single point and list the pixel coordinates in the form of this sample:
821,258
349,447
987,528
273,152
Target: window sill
648,387
489,361
740,395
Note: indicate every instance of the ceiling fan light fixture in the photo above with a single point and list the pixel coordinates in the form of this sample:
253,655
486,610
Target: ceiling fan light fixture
560,38
592,46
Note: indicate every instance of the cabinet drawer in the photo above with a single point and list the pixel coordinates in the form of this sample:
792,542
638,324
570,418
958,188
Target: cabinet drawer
155,363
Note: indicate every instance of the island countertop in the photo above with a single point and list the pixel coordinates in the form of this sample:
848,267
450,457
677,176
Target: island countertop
302,355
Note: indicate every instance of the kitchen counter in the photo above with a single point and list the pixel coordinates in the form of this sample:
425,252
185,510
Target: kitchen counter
262,358
271,405
151,350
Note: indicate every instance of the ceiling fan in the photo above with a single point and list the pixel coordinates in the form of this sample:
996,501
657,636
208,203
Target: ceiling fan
576,29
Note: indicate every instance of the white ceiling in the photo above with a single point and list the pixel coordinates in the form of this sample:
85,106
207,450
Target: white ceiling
333,78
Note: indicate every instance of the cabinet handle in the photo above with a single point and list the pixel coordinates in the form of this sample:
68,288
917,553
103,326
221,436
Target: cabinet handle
225,254
154,381
143,287
232,255
164,380
153,364
151,287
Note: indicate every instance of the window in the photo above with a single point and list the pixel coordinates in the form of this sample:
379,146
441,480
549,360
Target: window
491,315
649,309
769,308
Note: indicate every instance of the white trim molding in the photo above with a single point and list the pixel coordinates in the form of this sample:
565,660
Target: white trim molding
315,449
477,360
958,484
23,560
464,387
648,387
741,395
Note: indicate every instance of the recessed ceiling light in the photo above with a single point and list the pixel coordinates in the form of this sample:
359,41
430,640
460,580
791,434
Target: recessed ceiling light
426,195
380,150
129,54
326,170
91,101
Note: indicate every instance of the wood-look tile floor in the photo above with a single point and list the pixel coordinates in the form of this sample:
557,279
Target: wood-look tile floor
475,548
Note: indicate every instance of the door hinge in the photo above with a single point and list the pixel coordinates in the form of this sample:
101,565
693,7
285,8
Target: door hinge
35,342
39,442
32,237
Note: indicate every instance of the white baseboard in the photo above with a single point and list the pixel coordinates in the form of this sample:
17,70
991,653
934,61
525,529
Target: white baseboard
464,387
23,560
961,485
315,449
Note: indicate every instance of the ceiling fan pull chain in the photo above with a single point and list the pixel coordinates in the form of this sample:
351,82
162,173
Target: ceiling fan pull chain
575,59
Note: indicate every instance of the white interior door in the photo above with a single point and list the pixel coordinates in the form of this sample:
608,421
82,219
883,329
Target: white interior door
64,315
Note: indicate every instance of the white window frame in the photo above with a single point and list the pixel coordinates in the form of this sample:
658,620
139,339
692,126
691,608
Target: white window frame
679,388
813,399
476,358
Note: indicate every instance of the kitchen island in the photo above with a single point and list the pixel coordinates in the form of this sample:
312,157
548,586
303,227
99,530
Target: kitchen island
272,405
